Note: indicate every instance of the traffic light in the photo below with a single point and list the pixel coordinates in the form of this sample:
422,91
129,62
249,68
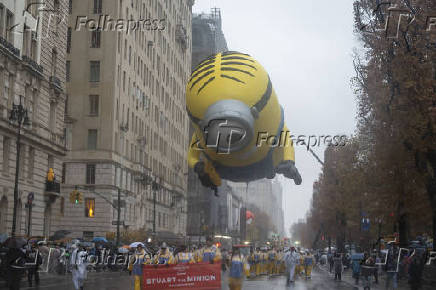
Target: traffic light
79,197
76,197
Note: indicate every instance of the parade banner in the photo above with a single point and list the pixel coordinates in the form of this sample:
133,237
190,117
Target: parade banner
203,276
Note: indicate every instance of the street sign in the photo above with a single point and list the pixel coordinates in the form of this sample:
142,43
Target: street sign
30,197
114,223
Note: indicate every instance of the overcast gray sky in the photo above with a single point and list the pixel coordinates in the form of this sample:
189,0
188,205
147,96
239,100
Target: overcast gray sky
306,47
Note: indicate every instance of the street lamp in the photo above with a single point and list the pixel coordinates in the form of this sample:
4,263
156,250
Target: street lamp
155,186
18,117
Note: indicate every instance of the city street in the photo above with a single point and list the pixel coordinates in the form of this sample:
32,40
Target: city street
321,280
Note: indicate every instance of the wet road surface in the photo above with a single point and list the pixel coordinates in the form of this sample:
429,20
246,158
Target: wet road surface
122,281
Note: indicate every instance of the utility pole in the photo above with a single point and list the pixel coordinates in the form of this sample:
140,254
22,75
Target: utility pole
30,198
154,211
379,234
118,216
18,115
155,187
17,173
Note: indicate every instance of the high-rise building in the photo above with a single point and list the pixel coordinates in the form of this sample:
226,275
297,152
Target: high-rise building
207,213
265,195
126,112
32,71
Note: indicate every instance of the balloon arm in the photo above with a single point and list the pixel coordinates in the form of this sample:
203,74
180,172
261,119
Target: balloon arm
204,168
194,151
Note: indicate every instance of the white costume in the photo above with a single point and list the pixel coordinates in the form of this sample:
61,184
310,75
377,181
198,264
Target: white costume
291,260
79,263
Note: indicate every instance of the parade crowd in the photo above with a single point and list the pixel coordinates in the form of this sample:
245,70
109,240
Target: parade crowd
239,263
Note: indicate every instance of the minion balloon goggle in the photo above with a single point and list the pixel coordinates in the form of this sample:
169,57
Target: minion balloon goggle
228,125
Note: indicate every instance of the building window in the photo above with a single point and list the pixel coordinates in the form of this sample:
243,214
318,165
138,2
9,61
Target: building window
62,206
94,71
3,214
69,36
97,6
52,116
93,105
68,70
33,46
54,61
90,173
31,162
89,207
6,152
26,41
9,24
64,172
2,20
35,106
70,6
50,161
88,236
92,139
96,38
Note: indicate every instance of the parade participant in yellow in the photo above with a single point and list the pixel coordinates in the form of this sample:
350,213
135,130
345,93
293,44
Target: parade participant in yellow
210,253
272,256
238,266
257,262
264,261
300,266
164,256
184,257
135,265
279,262
252,261
196,252
309,261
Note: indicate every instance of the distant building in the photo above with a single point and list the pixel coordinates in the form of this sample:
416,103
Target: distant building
265,195
32,67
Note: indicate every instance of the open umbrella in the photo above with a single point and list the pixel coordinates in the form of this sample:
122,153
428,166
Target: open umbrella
135,244
3,237
123,250
15,243
99,239
60,234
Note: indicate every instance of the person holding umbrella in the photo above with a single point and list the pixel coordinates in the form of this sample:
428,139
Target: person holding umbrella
15,261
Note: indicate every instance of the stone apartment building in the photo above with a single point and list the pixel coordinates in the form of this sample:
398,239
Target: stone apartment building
127,124
32,68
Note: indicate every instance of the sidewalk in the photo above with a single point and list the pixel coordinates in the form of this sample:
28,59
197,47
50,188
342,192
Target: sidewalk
51,278
347,278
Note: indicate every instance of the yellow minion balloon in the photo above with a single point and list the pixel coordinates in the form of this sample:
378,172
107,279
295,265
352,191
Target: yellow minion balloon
239,129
